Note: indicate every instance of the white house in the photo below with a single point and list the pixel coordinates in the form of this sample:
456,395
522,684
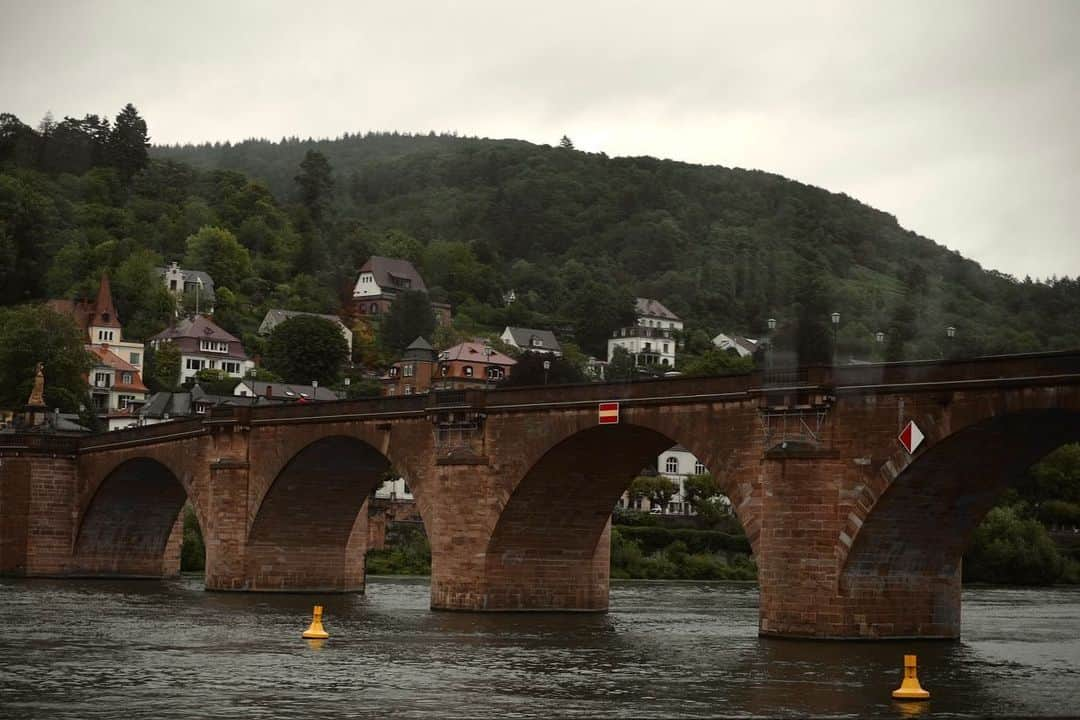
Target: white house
676,464
179,281
743,345
532,340
205,346
652,338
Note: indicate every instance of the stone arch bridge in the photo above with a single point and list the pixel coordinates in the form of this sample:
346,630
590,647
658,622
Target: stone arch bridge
853,536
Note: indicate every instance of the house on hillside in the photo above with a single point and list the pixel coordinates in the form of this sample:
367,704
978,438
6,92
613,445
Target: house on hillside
115,380
179,281
275,317
651,340
532,340
414,372
380,281
116,389
472,364
676,464
743,345
278,392
204,346
100,322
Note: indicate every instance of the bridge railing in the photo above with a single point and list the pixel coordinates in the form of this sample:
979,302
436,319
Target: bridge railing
1000,367
39,442
363,406
146,432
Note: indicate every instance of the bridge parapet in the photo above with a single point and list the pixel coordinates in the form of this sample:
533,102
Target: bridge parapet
38,443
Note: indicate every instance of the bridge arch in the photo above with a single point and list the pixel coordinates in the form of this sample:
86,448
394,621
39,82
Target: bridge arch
131,525
908,545
309,528
550,547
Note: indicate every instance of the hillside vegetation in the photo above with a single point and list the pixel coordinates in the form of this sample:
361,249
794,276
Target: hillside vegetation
575,235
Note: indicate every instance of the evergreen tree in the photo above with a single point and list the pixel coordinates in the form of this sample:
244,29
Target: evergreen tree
410,317
315,181
306,348
128,143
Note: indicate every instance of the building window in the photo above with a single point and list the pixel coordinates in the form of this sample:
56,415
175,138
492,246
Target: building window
390,390
194,364
699,468
135,358
233,368
213,346
374,309
444,370
127,378
102,379
393,372
408,389
124,400
172,284
105,335
671,465
408,370
665,347
467,371
495,373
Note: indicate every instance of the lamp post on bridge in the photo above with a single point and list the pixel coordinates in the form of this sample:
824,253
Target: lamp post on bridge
487,366
547,366
771,322
950,335
835,328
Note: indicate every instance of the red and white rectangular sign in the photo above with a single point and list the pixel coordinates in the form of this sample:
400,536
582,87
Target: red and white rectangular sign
609,413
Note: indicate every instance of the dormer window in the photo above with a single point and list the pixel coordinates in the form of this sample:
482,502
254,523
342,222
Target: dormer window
537,342
215,346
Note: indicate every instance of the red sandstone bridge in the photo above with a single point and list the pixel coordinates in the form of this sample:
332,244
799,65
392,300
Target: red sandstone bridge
853,536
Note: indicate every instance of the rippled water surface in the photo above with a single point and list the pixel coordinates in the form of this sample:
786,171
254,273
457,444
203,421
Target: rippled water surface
88,649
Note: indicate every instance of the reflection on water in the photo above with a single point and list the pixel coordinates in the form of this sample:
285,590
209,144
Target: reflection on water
168,650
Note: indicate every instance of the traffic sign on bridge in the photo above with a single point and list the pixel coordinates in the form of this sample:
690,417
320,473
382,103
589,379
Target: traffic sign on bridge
911,437
609,413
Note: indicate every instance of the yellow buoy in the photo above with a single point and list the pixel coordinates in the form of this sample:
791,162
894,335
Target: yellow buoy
910,689
315,631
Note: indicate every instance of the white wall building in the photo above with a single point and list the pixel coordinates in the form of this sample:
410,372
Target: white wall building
676,464
205,346
653,337
532,340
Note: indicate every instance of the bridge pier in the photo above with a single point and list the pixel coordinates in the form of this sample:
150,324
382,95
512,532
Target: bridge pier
37,492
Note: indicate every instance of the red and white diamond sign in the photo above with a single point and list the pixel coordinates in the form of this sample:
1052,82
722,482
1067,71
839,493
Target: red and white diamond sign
911,437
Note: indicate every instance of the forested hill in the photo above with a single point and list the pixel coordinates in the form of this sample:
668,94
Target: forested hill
574,235
726,248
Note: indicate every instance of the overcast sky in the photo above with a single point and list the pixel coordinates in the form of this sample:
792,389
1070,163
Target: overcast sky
960,118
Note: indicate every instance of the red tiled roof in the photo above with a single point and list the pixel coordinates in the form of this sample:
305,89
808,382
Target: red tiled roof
110,359
474,352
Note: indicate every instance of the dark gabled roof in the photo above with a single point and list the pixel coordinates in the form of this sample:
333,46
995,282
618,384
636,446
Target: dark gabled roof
523,338
647,307
385,269
286,391
419,349
193,276
167,403
200,327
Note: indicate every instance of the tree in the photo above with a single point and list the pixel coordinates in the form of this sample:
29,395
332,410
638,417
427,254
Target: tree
410,317
315,181
306,348
163,367
717,362
657,489
1010,548
217,251
699,488
30,334
530,371
129,143
622,365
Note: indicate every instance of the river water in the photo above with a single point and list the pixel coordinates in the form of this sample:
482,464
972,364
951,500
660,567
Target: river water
139,649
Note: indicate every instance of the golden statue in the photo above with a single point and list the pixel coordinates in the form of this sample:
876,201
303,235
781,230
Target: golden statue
37,395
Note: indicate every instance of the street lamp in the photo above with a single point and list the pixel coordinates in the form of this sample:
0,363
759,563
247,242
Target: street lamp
487,365
771,322
835,327
950,334
547,366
